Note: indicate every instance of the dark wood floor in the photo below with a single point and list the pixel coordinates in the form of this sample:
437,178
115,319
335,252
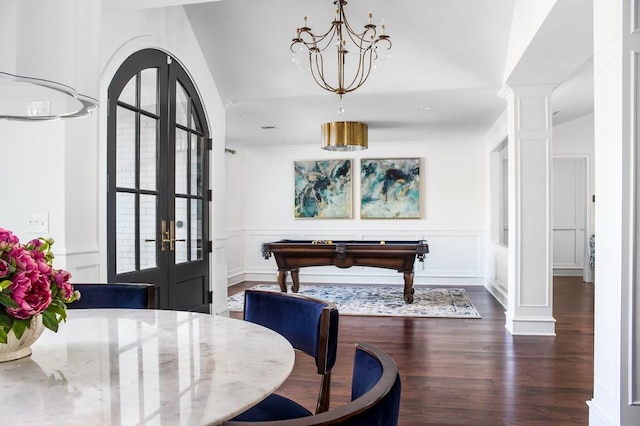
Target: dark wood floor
472,371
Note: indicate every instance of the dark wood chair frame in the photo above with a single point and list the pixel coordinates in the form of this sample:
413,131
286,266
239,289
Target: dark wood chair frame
344,413
324,395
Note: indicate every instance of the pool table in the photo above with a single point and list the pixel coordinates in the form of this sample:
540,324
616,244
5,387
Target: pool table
291,255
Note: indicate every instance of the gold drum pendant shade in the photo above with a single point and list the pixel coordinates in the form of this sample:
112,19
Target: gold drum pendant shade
344,136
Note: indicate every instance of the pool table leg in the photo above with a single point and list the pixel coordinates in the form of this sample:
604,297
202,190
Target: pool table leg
282,281
295,277
408,287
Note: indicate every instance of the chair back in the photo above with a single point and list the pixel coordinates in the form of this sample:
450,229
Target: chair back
310,325
375,395
115,295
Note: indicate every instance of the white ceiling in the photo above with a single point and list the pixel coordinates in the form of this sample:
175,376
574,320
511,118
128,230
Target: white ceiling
440,84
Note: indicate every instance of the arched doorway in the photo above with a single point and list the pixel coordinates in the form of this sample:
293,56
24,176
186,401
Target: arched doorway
158,181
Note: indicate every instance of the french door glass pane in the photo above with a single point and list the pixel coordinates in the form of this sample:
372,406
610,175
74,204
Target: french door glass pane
181,165
148,207
148,152
181,226
149,90
128,94
196,165
196,229
126,149
182,106
125,232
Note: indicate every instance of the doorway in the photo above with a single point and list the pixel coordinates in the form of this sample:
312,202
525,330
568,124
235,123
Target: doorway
569,215
158,181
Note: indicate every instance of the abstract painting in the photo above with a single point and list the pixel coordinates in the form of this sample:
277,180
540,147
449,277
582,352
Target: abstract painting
323,189
390,188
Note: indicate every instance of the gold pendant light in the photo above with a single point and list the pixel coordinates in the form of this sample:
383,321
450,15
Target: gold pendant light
344,136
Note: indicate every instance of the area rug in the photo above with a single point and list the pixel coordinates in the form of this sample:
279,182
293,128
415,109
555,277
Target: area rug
383,301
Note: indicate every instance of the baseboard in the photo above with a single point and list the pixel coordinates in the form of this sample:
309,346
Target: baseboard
597,416
568,272
531,326
497,292
236,279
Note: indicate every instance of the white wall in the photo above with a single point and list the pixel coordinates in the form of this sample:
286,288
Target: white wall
453,222
33,166
47,180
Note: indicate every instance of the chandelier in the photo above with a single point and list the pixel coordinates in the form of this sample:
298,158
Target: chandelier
353,54
35,99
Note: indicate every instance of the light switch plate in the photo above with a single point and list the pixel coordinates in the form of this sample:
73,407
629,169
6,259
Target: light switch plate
38,223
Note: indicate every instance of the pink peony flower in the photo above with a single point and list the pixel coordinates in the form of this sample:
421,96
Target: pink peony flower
41,262
32,292
36,243
23,259
7,239
4,269
61,279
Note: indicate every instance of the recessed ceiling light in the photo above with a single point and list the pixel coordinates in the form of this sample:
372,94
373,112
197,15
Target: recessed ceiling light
423,108
269,127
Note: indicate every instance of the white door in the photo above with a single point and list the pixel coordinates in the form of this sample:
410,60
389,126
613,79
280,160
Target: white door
569,215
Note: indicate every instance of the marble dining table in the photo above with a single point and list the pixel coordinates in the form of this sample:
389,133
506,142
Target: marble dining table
143,367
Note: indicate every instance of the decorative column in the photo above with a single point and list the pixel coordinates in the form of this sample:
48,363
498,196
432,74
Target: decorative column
530,295
616,63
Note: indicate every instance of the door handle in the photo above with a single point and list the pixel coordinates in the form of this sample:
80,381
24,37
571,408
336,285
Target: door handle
169,235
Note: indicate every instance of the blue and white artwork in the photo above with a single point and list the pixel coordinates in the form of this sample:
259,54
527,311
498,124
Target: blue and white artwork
323,189
390,188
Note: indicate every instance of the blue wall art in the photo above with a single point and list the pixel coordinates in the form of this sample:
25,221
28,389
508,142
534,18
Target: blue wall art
390,188
323,189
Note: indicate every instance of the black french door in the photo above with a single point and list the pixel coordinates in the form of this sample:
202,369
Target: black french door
158,181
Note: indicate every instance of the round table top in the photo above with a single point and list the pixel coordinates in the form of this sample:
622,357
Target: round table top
140,366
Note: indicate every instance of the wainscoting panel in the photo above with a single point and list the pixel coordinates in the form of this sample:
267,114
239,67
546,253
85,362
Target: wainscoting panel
235,261
83,264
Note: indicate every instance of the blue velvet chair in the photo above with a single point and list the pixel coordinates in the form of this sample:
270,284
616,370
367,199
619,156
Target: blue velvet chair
311,326
375,395
115,295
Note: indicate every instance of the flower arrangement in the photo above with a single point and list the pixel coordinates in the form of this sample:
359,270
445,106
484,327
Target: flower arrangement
30,286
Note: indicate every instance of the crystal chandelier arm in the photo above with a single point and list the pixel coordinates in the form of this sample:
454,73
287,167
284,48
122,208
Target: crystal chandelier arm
362,73
369,29
311,40
384,38
317,72
364,47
